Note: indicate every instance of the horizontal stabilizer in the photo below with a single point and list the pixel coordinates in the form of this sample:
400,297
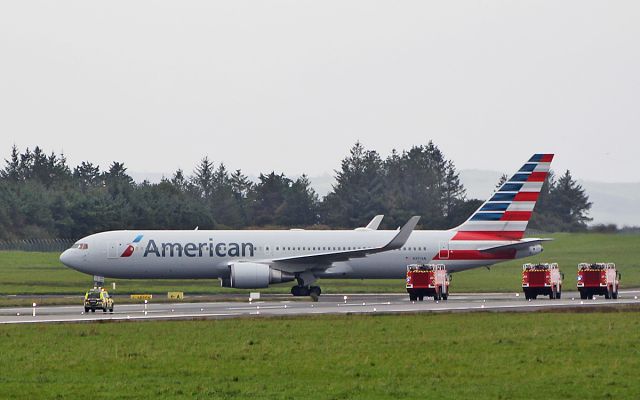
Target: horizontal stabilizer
519,245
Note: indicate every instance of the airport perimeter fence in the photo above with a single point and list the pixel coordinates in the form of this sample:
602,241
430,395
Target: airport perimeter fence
46,245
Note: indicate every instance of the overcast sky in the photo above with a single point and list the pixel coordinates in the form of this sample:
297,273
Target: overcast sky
290,86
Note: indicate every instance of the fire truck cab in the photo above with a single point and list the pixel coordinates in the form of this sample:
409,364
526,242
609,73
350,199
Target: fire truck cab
598,279
429,280
541,279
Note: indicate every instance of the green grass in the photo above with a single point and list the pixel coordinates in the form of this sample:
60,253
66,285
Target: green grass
40,273
448,356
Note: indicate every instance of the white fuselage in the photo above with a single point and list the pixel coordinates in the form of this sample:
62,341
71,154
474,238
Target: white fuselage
208,254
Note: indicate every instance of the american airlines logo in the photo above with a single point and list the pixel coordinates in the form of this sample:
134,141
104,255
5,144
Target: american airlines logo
203,249
131,247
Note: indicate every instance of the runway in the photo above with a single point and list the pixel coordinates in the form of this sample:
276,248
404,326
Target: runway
328,304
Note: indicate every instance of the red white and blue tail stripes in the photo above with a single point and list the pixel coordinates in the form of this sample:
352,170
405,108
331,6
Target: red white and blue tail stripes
506,214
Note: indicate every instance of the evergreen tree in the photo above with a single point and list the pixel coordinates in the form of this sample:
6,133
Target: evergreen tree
570,204
203,178
11,171
116,180
241,188
358,193
503,179
87,175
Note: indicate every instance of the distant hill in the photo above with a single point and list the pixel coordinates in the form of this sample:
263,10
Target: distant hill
617,203
613,203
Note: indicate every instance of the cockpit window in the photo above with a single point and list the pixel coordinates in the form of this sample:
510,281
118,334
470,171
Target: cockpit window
80,246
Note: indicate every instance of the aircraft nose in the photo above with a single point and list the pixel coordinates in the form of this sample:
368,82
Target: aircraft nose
68,258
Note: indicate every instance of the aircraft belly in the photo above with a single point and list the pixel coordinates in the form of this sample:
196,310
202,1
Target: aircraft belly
166,268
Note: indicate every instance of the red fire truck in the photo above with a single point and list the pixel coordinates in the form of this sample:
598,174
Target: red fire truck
598,279
541,279
429,280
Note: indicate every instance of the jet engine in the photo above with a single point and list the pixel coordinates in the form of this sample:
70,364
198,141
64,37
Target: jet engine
247,275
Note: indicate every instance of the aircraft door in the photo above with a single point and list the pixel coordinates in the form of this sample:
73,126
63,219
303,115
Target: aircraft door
443,254
115,249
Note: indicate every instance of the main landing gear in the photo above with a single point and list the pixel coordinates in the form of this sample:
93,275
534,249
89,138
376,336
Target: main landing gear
305,289
304,286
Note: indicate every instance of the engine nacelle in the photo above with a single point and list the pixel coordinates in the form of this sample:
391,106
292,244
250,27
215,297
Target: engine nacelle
247,275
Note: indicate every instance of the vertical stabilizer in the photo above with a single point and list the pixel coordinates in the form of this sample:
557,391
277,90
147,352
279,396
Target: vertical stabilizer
506,214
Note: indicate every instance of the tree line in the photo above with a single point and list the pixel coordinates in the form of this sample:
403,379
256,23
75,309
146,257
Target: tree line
41,196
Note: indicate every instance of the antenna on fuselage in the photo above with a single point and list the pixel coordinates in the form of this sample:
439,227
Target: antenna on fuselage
196,228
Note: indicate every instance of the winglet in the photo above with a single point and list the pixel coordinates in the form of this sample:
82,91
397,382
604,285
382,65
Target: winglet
375,222
403,235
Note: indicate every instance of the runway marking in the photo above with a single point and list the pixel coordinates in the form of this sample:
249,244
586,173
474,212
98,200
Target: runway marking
256,308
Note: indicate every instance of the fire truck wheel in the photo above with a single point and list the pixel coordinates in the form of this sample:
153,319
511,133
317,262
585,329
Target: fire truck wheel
86,309
93,310
421,298
412,297
445,296
534,296
559,294
615,294
583,295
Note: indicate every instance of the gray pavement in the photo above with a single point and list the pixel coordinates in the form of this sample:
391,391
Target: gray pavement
328,304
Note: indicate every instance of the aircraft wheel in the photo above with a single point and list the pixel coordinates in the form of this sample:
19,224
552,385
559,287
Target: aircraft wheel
316,290
300,291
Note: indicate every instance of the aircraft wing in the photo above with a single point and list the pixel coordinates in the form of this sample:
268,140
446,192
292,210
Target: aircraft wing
328,258
518,245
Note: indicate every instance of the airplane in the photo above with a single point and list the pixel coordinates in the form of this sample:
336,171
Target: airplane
251,259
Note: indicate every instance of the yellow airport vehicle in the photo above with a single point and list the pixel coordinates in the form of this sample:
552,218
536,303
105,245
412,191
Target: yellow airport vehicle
98,298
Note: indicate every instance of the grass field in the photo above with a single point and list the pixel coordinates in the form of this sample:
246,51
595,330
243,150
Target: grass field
40,273
444,356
